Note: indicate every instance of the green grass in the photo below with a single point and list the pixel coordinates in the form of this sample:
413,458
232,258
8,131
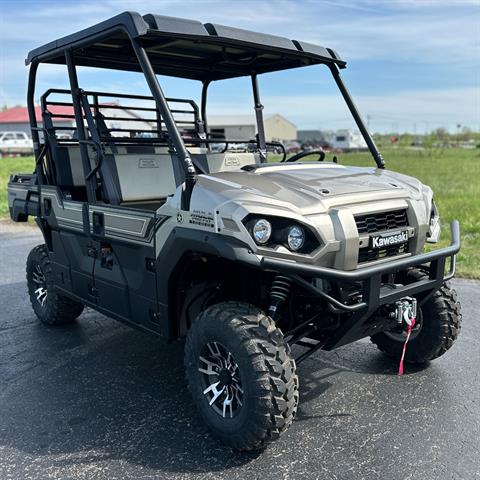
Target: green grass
453,174
9,165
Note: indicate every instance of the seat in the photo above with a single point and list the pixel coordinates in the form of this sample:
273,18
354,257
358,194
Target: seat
143,177
130,177
140,176
215,162
230,161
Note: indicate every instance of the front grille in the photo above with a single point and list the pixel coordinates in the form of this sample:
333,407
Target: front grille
379,222
368,254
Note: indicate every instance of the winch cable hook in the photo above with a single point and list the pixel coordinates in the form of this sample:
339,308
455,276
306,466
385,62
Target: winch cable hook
410,321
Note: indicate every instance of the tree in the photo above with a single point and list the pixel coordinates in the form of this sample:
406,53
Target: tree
441,133
465,134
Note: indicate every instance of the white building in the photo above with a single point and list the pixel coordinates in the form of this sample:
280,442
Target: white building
244,127
126,114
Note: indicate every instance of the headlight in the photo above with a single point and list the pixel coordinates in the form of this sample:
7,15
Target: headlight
433,233
295,238
281,234
262,230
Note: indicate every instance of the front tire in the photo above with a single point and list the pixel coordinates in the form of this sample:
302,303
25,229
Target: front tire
439,325
51,307
241,375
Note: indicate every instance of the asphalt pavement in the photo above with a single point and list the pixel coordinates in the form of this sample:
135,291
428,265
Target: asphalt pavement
97,400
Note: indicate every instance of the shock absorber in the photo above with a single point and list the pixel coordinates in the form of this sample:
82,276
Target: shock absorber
279,292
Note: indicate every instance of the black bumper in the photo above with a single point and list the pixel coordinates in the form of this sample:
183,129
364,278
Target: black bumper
374,294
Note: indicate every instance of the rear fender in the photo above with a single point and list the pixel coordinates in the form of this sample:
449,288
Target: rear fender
23,197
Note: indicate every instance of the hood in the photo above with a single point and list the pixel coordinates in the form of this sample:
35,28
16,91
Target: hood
308,185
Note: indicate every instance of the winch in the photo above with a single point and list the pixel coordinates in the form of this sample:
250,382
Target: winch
405,310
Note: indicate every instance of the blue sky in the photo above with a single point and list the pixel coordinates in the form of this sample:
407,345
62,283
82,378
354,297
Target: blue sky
413,65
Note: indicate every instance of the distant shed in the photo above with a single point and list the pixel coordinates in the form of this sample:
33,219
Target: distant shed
243,127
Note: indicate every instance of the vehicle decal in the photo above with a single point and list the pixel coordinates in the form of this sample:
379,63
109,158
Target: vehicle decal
202,218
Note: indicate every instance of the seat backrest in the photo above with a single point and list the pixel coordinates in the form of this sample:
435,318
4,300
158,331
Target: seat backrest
137,173
132,176
213,162
144,177
68,166
229,161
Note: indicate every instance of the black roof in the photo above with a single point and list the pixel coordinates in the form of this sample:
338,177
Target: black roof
183,48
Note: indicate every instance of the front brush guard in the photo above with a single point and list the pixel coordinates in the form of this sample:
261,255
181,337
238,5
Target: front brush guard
358,324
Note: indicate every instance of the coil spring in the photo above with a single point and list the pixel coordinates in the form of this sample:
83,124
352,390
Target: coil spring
280,289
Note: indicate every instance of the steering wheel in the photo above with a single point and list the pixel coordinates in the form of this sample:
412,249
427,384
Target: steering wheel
298,156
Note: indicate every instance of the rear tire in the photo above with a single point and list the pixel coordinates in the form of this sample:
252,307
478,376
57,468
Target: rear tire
440,321
239,338
51,307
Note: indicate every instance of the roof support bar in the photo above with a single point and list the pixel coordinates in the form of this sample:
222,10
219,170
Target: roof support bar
91,182
176,138
377,156
203,109
203,104
32,74
262,146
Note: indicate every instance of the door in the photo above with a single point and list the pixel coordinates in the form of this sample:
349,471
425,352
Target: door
71,254
124,271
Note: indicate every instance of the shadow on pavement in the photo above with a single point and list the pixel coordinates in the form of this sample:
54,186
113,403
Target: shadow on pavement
120,395
97,391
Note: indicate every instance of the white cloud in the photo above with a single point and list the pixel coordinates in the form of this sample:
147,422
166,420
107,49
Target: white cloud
438,32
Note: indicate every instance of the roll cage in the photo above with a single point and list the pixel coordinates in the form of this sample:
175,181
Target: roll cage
154,45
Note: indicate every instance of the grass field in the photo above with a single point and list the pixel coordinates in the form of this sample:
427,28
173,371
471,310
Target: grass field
9,165
453,174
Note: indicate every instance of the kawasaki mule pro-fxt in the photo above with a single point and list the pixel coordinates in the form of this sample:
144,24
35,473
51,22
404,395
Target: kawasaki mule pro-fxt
145,221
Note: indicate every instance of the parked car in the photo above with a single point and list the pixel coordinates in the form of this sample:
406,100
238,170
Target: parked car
65,135
15,143
293,147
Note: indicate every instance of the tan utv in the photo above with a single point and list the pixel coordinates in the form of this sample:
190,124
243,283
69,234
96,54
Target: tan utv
148,223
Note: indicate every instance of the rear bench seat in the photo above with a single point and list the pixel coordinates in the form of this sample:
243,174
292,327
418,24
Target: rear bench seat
141,176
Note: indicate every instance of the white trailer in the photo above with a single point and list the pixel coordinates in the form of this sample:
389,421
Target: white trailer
347,140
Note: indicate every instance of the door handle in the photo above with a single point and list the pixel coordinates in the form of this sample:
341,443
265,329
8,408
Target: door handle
98,223
47,206
106,257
